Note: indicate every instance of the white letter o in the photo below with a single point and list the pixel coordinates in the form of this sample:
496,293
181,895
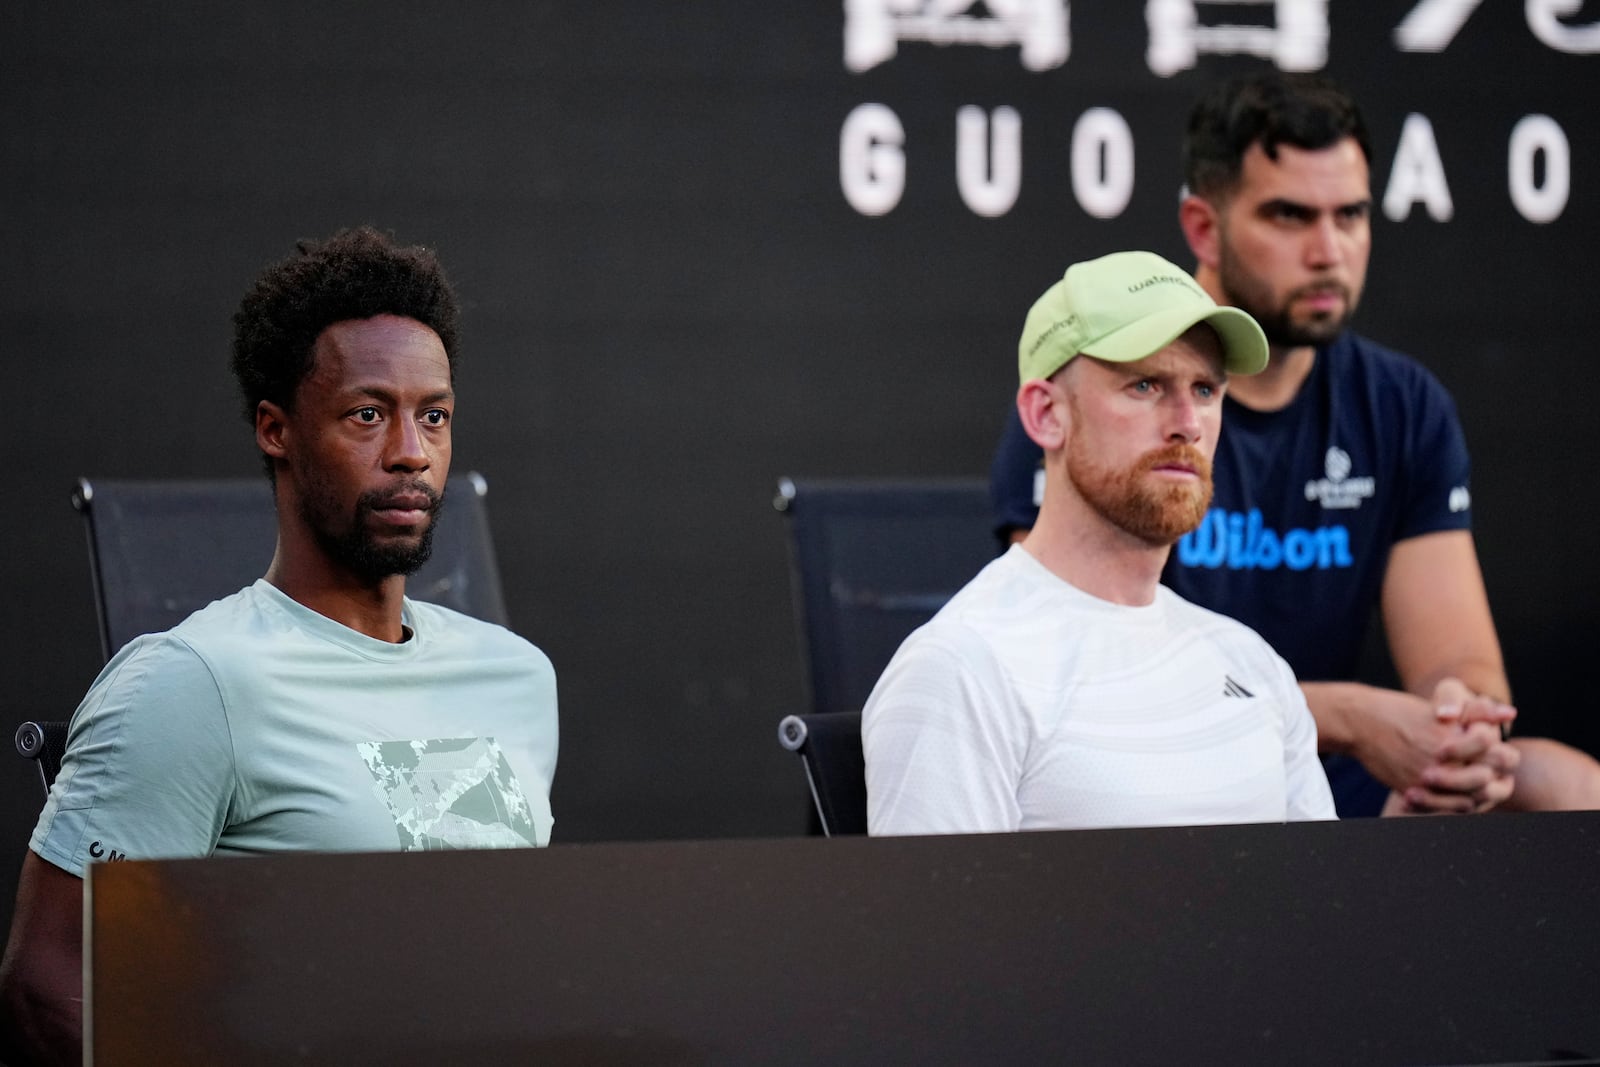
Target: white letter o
1102,162
1535,134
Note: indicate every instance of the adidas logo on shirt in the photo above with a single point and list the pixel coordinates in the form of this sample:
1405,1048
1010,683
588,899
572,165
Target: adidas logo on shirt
1231,688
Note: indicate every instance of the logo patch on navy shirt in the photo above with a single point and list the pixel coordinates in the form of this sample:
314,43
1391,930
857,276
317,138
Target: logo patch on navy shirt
1337,490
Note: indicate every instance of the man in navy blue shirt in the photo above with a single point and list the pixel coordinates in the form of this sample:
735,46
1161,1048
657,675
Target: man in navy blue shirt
1341,476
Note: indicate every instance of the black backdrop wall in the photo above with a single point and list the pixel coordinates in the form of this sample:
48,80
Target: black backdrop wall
705,245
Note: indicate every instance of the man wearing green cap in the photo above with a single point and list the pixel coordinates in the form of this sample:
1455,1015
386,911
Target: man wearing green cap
1064,686
1343,480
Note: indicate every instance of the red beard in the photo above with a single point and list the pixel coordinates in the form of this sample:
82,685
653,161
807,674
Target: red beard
1156,513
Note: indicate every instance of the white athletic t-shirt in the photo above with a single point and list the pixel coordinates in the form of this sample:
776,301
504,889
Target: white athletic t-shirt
1028,704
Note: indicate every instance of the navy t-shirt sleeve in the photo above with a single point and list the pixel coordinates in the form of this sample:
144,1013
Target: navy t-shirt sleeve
1438,468
1011,479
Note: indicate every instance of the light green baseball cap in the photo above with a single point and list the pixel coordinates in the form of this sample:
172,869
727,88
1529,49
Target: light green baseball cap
1124,307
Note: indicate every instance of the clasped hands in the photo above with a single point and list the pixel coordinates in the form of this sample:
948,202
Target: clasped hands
1447,755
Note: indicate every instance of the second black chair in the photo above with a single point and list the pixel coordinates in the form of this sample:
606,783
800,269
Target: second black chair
829,747
871,561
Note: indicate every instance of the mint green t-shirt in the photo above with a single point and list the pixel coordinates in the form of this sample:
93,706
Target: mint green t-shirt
258,725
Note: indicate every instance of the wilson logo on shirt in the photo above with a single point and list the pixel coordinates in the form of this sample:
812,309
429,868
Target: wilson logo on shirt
1242,541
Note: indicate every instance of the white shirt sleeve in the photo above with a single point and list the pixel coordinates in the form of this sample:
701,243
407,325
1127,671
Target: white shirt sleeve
945,744
1307,795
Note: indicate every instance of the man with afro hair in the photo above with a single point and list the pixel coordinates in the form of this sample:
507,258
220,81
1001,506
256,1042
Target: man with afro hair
318,709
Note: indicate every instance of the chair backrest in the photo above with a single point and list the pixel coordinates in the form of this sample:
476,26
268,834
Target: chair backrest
160,550
829,747
43,742
870,561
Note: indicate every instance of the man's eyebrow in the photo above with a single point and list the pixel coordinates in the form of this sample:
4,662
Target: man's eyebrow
1283,203
388,396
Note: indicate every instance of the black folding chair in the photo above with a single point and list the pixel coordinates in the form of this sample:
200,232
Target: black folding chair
161,550
829,747
43,742
870,561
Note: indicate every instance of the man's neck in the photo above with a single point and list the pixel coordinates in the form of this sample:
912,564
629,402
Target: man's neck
1275,387
311,580
1081,548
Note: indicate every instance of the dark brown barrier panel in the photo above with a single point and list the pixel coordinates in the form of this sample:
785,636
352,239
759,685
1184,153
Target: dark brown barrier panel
1423,941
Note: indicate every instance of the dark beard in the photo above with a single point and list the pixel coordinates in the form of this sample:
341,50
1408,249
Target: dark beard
1156,516
356,550
1245,292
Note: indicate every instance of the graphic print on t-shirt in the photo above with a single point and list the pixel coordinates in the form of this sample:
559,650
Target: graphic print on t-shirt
450,793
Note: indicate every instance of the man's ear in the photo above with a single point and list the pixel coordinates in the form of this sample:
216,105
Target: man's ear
1201,223
1042,406
272,429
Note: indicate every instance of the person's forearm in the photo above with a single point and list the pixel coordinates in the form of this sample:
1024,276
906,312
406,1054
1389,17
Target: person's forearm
43,1026
1341,710
1484,676
41,975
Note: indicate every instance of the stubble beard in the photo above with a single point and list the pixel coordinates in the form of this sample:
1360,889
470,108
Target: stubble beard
351,544
1156,513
